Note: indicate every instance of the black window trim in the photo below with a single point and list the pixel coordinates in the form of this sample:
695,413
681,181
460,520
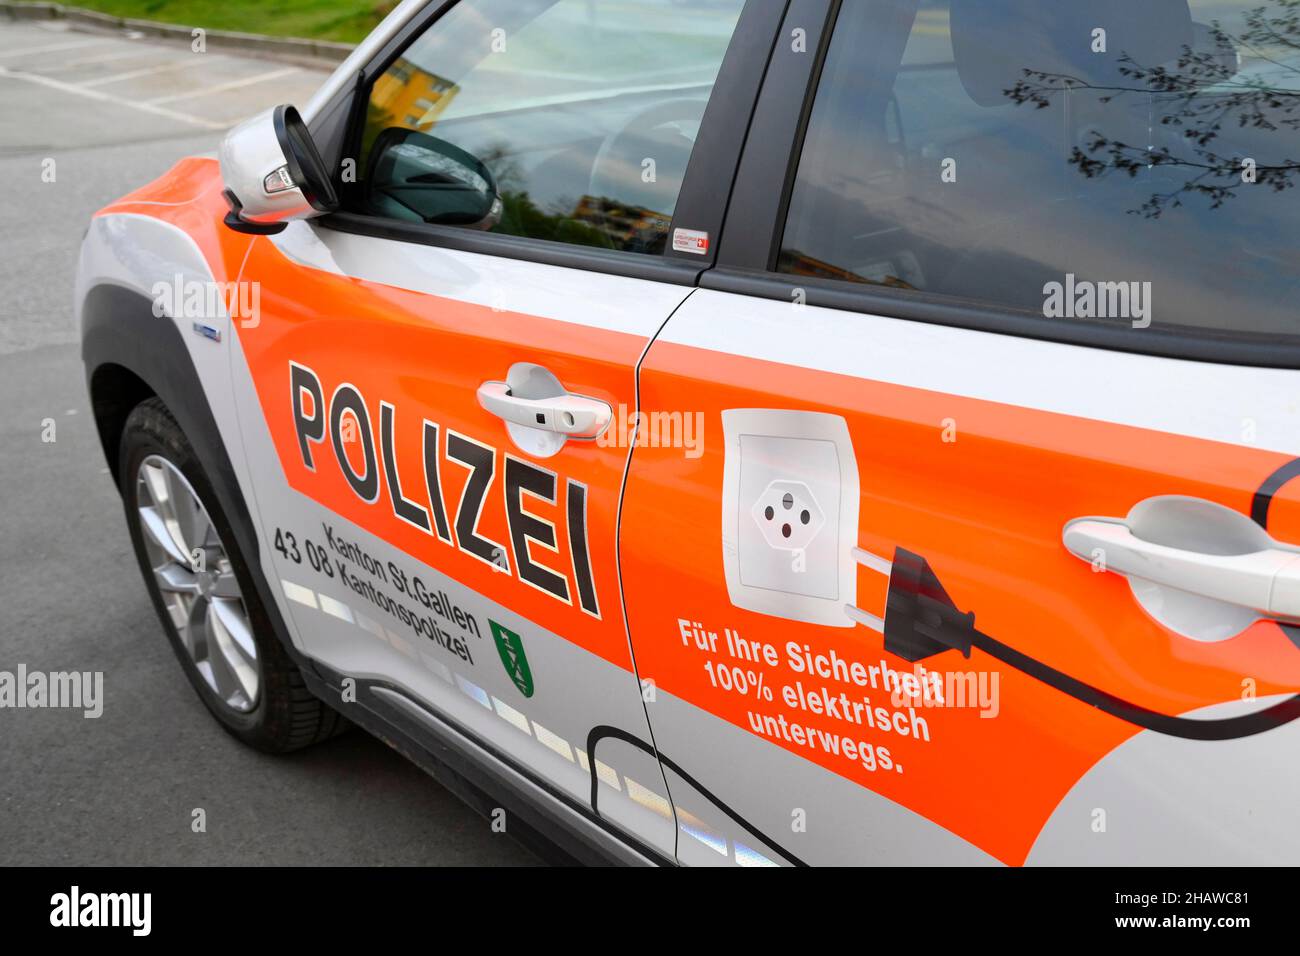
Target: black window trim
543,251
752,233
706,189
765,175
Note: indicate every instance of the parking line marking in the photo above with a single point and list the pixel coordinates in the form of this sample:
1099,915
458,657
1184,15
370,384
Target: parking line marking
51,48
105,58
76,90
132,74
225,87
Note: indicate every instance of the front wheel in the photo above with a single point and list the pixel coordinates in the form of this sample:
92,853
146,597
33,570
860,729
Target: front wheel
203,591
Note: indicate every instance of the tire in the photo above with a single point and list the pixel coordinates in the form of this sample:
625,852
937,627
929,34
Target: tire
208,605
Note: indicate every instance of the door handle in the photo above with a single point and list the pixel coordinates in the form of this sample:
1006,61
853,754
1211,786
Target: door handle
1201,569
1266,581
573,416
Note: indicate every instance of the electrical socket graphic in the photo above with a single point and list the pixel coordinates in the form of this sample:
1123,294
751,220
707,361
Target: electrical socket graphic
790,514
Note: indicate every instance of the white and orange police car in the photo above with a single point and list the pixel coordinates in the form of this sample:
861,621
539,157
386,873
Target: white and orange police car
759,433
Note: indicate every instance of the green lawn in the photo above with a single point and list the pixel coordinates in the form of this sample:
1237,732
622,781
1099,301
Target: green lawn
346,20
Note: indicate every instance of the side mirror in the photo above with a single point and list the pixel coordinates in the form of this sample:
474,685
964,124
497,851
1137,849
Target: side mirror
415,176
273,173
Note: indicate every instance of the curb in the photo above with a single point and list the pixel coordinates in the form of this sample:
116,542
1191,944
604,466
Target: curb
325,51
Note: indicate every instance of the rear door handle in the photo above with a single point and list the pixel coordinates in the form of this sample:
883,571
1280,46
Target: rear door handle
1266,581
574,416
1186,558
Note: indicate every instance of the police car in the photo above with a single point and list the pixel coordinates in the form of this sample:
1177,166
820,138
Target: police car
748,433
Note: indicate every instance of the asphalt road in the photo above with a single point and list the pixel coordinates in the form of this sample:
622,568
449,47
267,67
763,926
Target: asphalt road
113,113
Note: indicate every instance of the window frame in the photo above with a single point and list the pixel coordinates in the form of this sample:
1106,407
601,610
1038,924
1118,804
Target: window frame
706,187
753,230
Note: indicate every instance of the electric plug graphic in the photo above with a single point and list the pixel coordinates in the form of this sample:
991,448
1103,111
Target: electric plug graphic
920,619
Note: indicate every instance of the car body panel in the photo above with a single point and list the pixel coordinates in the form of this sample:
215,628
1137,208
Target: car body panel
981,484
425,356
544,730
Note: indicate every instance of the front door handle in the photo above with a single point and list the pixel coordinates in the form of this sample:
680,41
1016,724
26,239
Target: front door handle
573,416
1201,569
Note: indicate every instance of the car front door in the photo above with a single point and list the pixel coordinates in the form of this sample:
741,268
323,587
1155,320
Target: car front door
989,552
436,394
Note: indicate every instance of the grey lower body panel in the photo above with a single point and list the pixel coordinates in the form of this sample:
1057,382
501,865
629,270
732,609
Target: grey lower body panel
483,777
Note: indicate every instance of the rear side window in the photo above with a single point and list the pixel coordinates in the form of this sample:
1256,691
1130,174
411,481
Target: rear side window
565,120
1128,161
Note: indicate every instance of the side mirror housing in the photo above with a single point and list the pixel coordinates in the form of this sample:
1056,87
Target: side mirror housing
272,173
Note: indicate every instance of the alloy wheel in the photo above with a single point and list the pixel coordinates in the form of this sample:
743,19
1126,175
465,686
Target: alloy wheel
192,570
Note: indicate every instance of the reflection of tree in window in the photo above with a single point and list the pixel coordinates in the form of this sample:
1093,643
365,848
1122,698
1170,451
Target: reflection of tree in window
1201,97
798,263
599,222
586,220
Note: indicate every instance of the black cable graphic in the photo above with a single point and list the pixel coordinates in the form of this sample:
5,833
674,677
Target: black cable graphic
1259,509
599,733
921,621
1227,728
1263,498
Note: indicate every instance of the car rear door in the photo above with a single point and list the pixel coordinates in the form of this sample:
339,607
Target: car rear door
987,552
423,390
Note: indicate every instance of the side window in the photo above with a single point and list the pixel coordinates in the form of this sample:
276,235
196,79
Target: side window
1118,161
567,120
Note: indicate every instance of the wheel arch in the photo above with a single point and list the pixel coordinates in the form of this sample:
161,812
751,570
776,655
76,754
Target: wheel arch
114,391
130,355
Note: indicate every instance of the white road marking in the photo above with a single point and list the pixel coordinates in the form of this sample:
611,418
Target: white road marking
132,74
102,58
51,48
225,87
76,90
